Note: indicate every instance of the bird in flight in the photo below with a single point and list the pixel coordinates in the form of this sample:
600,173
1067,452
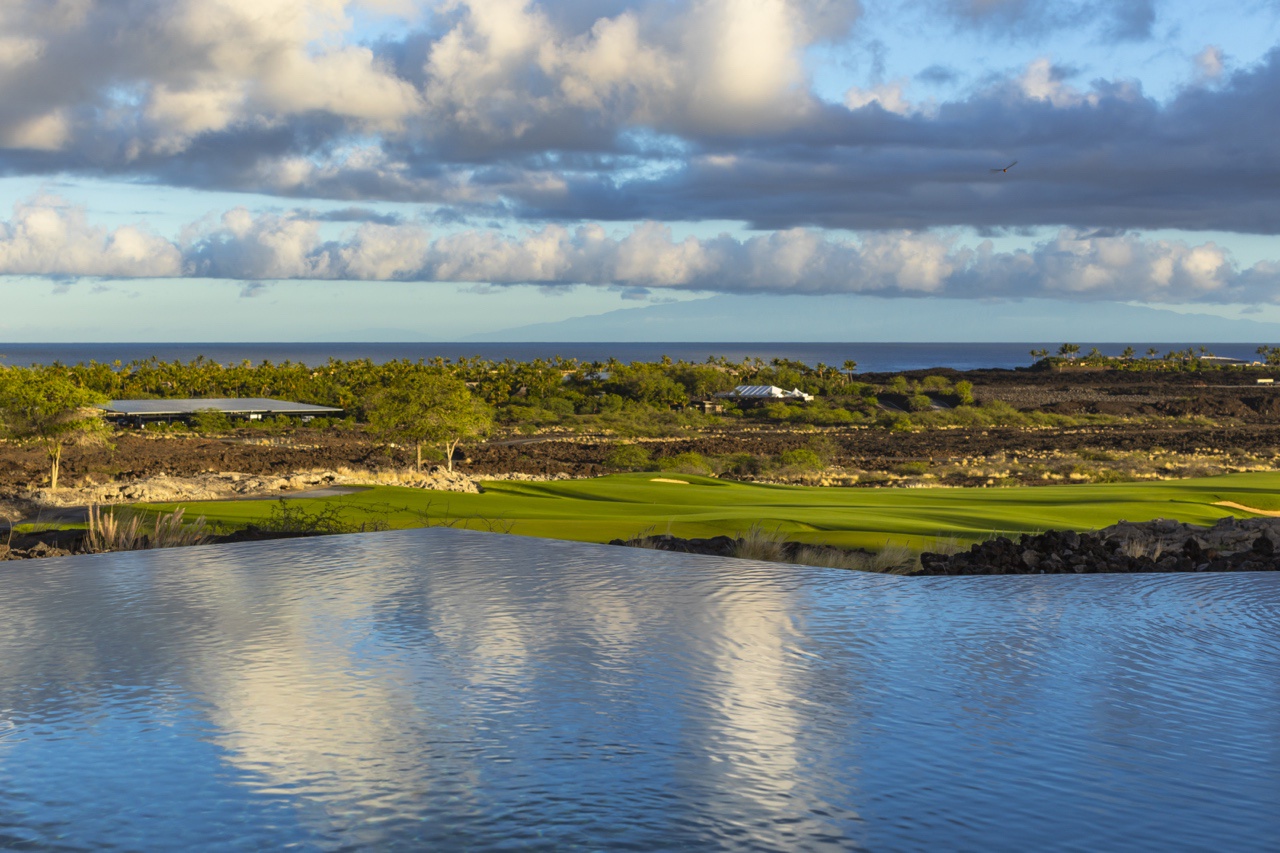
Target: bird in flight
1006,168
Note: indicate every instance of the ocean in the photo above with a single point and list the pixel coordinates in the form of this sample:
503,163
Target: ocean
871,357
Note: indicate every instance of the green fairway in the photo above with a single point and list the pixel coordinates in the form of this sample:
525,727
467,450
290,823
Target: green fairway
625,505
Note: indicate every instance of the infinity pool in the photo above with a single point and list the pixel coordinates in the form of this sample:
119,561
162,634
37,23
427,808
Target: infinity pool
438,689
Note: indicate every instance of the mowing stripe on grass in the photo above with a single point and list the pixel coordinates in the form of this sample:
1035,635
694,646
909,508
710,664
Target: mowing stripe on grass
625,505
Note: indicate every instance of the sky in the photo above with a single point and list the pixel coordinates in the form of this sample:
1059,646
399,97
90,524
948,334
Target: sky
221,170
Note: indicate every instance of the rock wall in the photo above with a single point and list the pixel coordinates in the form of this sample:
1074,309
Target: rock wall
1163,545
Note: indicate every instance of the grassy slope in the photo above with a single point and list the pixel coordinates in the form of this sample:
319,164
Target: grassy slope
624,505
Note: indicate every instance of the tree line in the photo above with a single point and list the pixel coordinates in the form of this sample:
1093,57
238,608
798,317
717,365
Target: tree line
1193,358
427,402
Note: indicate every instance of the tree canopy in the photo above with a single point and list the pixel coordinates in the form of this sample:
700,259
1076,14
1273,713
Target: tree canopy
44,407
428,407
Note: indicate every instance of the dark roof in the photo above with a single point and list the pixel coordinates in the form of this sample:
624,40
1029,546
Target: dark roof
227,405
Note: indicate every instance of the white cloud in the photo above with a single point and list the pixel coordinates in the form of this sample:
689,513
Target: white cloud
164,71
890,97
47,237
1042,81
152,76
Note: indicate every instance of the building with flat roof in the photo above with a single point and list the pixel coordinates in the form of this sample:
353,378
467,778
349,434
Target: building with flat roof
139,412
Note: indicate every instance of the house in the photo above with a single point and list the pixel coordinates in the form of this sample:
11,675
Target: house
766,393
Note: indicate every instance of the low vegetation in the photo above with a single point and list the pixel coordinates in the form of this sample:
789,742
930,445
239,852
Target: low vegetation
124,530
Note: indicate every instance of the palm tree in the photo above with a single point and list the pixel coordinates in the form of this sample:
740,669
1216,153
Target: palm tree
1127,354
849,367
1152,352
1069,350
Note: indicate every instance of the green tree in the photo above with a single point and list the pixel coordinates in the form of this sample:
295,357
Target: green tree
42,407
1127,354
428,408
1069,350
1152,352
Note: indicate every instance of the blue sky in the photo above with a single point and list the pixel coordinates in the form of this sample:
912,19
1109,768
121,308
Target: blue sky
391,169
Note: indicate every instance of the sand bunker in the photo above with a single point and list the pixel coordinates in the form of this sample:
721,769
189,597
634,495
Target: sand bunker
1270,513
665,480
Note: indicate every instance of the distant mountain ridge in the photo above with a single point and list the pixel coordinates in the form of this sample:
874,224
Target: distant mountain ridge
875,319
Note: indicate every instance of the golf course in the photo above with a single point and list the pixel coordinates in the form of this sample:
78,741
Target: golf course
627,505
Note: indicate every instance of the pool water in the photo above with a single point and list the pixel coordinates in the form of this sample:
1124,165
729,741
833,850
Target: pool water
441,689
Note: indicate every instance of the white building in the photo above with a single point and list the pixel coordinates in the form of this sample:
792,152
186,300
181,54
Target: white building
766,392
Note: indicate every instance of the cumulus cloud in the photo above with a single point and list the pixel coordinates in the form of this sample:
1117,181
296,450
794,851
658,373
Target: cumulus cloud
622,110
46,237
157,74
129,81
1095,154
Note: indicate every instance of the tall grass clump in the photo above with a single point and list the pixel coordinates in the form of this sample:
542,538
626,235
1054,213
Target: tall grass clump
170,532
894,559
110,531
757,543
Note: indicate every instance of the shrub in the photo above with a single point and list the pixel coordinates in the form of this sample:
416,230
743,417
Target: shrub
937,384
912,469
801,458
742,465
964,392
290,517
778,411
686,463
919,403
899,385
628,457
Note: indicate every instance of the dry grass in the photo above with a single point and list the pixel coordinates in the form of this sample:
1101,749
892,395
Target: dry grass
112,531
760,544
834,558
770,546
1137,549
120,531
894,559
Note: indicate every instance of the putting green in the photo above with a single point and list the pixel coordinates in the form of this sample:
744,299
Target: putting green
625,505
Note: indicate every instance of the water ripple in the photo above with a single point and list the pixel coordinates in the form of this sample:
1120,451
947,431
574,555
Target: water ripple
438,689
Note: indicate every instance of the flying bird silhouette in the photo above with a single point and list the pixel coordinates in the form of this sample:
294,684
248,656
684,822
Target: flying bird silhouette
1006,168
